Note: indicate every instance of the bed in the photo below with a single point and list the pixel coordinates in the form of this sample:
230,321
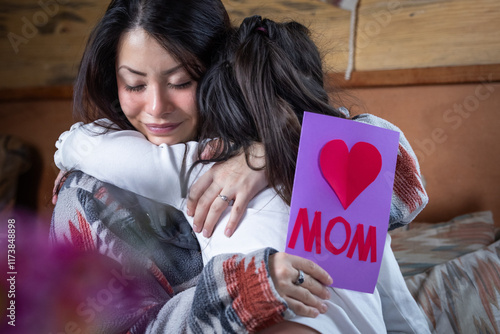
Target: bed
452,269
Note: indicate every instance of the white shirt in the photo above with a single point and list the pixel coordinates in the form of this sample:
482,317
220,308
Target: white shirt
161,173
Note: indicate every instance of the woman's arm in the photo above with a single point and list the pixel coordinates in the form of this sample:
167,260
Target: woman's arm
240,291
244,301
409,196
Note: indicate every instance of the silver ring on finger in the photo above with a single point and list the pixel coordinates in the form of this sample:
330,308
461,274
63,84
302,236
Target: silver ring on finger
300,279
224,198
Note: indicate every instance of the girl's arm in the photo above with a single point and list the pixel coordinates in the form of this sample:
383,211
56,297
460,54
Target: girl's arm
234,179
129,161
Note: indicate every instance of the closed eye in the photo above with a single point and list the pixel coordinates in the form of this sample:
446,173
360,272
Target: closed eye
134,88
181,86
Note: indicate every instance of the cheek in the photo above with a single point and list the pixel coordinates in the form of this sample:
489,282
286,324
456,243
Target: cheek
131,104
189,100
192,111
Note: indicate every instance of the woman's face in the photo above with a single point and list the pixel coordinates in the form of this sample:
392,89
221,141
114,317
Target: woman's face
156,93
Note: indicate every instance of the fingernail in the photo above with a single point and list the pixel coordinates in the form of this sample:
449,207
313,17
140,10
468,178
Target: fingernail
196,228
315,313
205,233
228,232
328,295
330,280
189,213
324,308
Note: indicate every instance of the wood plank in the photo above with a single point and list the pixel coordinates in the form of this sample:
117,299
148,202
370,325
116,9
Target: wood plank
419,76
43,40
42,45
398,34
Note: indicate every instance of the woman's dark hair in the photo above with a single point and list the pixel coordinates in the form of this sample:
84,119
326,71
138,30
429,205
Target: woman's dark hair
268,75
190,30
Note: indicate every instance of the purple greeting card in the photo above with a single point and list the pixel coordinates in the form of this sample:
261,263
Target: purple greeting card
342,198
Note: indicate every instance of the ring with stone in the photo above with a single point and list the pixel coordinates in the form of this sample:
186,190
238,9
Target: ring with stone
224,198
300,279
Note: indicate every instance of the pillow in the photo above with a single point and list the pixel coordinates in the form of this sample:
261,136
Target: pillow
461,295
420,246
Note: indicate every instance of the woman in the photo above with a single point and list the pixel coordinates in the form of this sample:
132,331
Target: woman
194,44
223,91
139,233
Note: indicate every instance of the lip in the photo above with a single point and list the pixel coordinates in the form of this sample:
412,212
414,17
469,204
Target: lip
162,129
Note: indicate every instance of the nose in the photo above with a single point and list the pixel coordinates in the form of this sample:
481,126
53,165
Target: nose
158,103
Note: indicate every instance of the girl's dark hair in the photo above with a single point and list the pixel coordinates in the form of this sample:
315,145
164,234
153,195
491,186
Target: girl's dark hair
190,30
269,74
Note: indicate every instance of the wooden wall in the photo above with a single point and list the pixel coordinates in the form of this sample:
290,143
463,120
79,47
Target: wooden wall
42,40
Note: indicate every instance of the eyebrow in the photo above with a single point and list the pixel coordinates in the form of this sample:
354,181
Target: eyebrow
166,72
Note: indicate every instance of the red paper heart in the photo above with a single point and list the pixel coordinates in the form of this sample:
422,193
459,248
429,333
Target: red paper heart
349,173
